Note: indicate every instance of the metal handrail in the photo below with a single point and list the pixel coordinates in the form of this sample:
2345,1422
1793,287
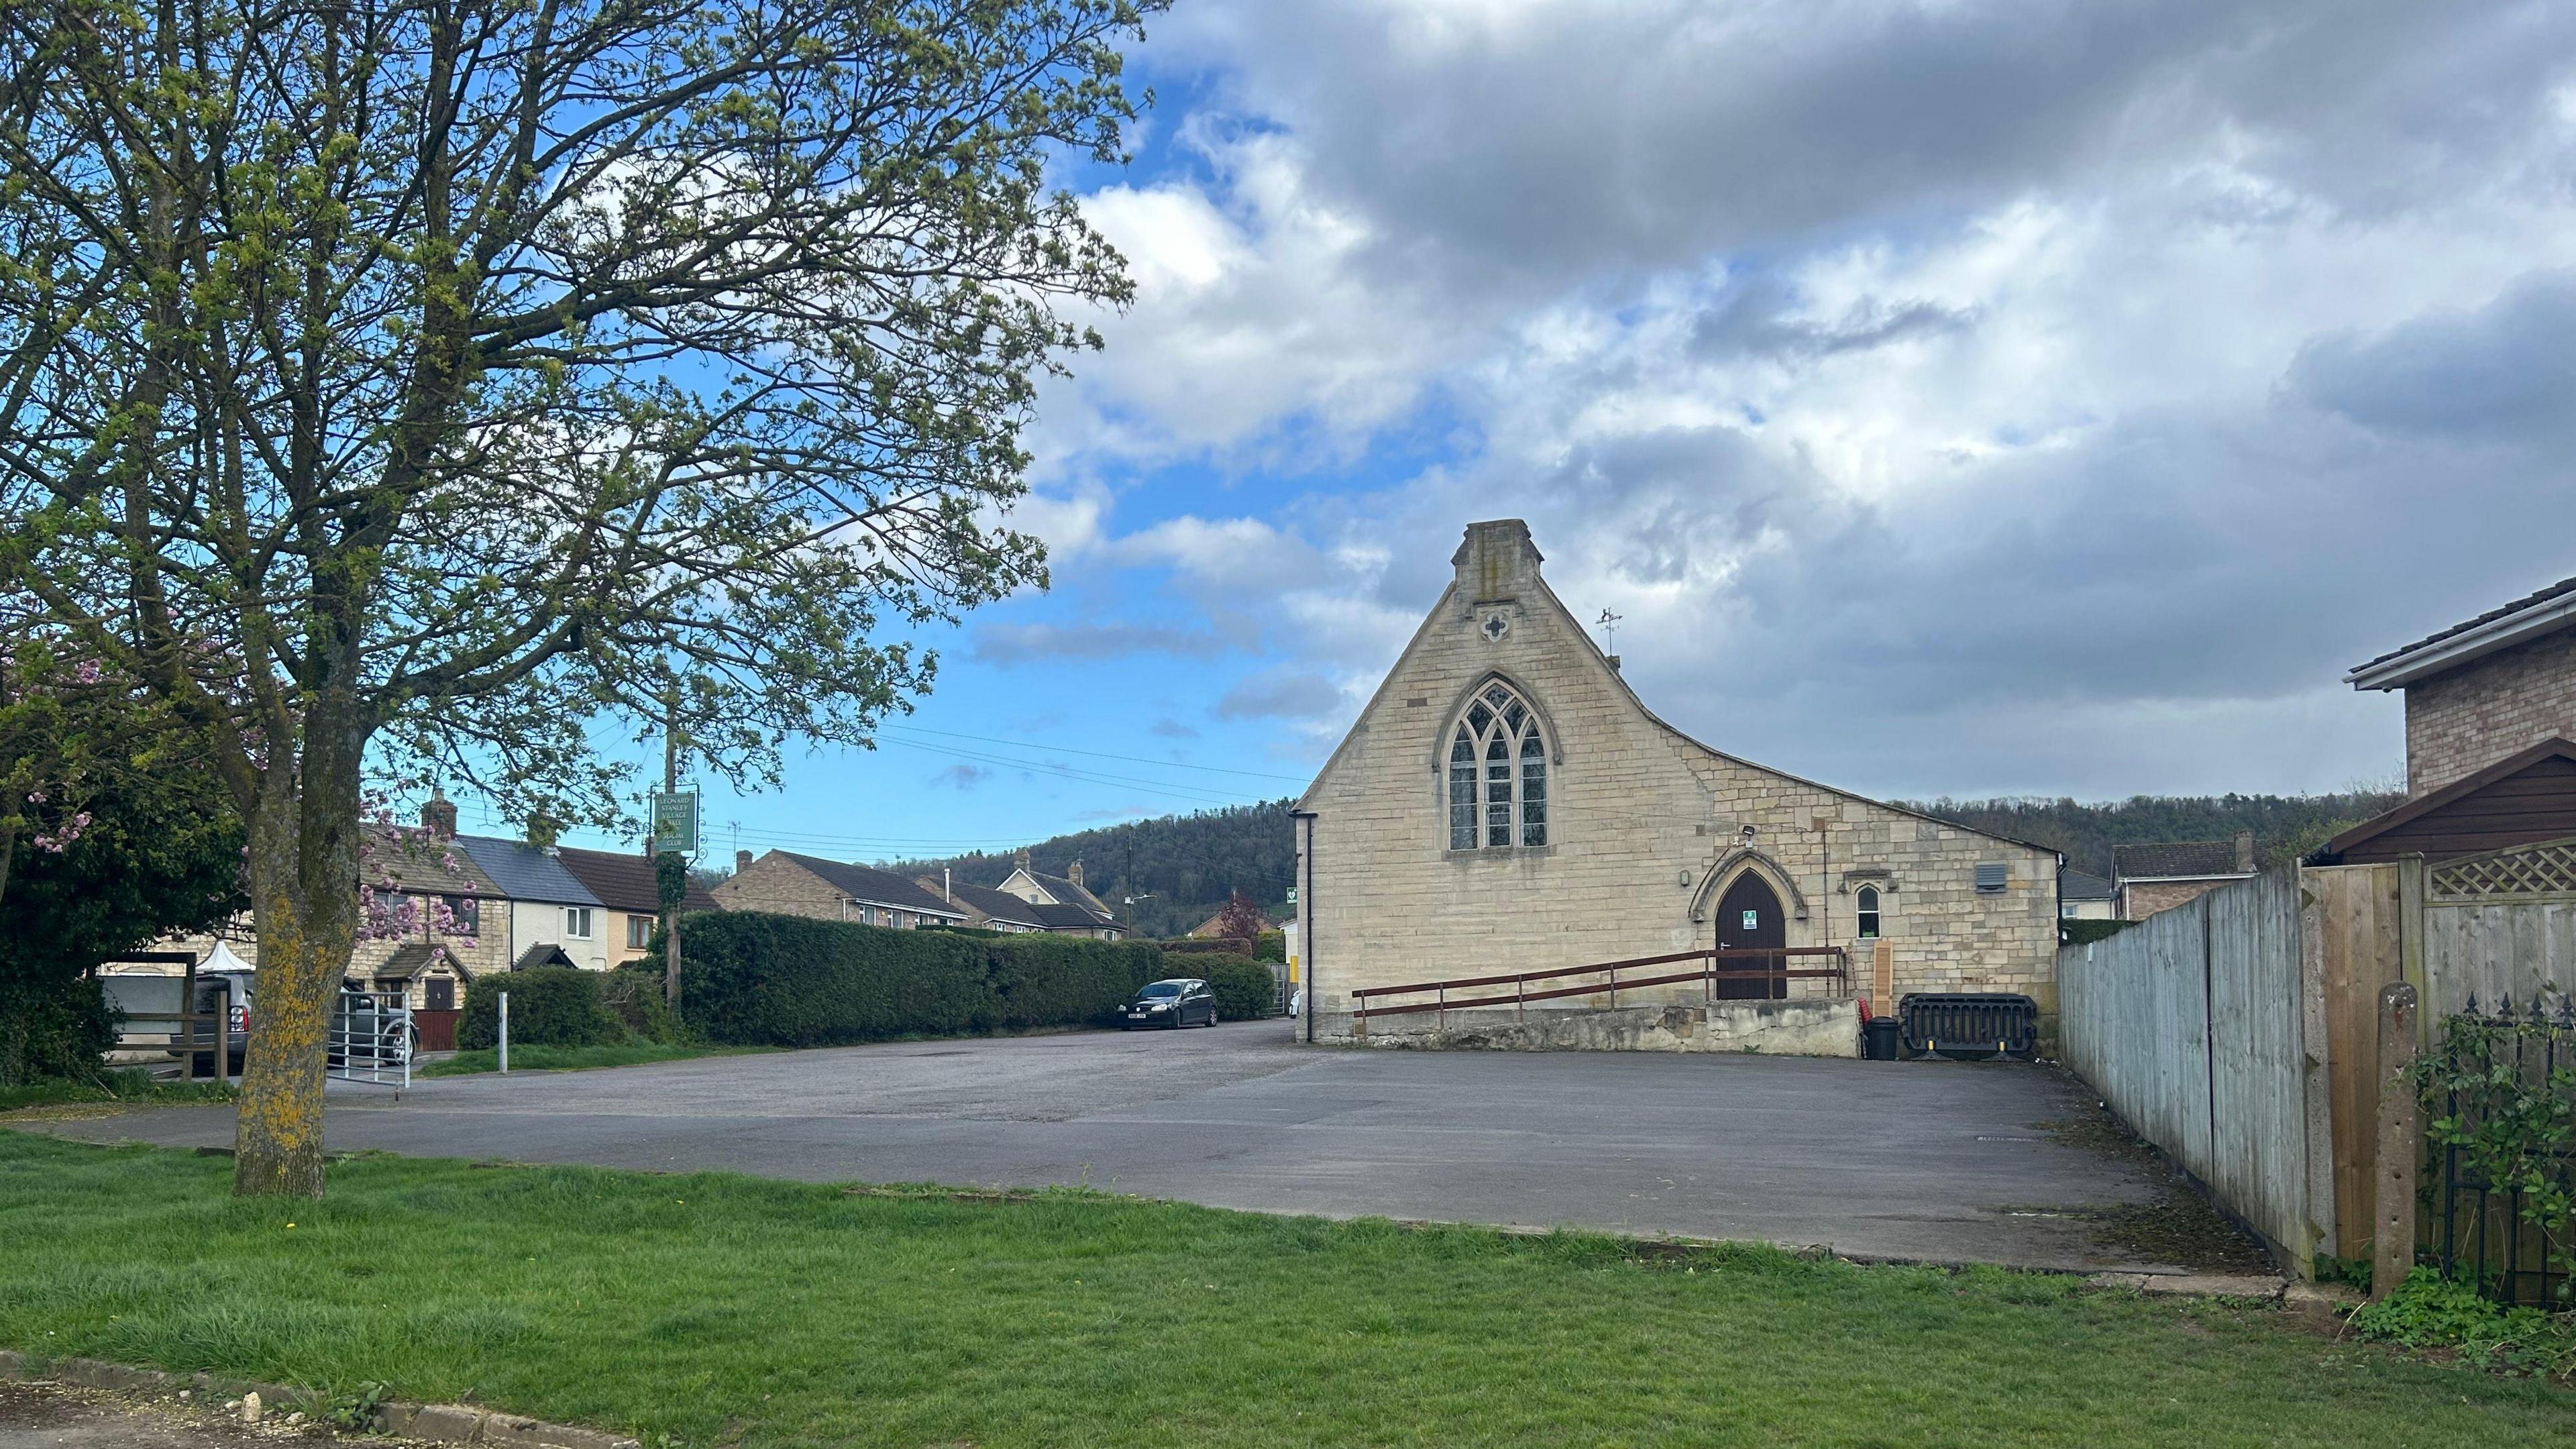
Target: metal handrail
1707,973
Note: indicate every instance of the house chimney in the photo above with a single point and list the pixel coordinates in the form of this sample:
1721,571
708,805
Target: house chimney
1021,860
1073,872
2245,850
438,815
741,861
947,887
1495,561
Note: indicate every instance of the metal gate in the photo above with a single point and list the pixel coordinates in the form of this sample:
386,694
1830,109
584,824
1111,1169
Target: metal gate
370,1039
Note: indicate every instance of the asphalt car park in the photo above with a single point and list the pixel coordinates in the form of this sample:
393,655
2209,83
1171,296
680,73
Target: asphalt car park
1932,1160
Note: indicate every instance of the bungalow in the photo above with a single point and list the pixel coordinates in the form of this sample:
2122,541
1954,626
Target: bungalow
2160,875
1063,902
785,883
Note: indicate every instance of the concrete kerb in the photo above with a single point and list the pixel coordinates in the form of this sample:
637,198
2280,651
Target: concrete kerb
436,1423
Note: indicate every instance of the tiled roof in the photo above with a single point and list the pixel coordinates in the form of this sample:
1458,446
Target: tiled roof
524,872
873,886
413,957
544,953
2169,859
1064,888
411,861
2558,590
996,905
2076,885
626,882
1059,917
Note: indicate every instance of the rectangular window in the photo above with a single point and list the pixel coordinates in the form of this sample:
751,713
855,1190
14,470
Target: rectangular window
1498,803
467,914
577,922
1462,806
639,932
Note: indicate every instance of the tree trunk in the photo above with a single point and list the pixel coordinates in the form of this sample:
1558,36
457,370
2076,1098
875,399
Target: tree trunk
303,867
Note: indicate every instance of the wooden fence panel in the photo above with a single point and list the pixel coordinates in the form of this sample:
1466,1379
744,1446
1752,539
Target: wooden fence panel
2351,918
2133,1020
2258,1060
2494,949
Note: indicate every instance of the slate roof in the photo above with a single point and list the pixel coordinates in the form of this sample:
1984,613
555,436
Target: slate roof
544,953
995,904
626,882
413,957
2174,859
1064,888
524,872
411,861
2558,590
2076,885
1059,917
874,887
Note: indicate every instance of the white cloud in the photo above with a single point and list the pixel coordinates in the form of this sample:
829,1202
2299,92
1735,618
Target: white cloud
1981,394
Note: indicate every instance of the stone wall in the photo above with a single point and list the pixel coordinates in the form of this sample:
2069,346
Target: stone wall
2459,723
1769,1028
780,886
1646,830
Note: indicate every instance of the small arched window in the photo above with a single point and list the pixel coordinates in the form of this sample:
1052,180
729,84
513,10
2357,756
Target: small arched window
1497,773
1868,898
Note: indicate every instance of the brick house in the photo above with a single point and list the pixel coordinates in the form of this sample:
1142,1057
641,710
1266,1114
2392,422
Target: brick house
789,884
2160,875
2490,720
2484,688
1505,802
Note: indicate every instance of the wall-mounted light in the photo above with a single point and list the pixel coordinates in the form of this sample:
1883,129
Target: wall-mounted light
1748,836
1685,880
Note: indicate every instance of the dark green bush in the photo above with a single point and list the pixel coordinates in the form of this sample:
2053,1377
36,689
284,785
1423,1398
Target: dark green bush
633,995
55,1027
2079,933
549,1006
748,978
1244,987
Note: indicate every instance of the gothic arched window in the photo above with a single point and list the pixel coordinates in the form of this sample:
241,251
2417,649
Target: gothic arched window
1868,899
1497,773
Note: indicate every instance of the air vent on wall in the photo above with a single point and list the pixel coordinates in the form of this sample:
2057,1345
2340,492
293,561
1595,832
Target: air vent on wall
1990,878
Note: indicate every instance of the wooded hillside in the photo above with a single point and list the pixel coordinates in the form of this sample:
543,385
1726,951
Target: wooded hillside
2284,826
1185,864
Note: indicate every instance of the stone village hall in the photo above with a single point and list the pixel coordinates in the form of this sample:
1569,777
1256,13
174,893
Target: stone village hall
1505,804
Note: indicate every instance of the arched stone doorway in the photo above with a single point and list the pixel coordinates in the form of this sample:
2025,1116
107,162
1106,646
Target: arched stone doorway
1749,918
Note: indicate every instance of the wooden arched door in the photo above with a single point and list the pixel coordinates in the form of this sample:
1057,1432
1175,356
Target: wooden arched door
1749,917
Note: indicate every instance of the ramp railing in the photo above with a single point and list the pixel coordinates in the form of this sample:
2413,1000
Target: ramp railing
1714,968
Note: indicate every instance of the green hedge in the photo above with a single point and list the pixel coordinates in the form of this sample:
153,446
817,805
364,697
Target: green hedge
633,995
549,1006
2079,933
748,978
1245,989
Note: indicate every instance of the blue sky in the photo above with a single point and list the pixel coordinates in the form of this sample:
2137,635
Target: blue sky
1966,398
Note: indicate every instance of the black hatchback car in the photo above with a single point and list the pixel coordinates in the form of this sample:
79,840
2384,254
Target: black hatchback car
1175,1003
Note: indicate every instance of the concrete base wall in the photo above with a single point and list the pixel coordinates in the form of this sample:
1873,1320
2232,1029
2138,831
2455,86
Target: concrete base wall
1772,1028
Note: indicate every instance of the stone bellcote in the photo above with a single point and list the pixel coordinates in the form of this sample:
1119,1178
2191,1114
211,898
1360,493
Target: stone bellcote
1495,561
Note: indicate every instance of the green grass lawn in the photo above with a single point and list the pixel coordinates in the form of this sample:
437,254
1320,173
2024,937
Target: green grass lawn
712,1310
573,1059
133,1085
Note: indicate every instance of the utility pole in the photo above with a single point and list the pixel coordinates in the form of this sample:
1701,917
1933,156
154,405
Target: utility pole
671,875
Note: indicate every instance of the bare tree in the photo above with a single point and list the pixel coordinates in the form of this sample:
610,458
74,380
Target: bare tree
401,387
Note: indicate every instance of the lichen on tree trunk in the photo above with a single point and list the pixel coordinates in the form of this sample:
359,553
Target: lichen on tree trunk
303,868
